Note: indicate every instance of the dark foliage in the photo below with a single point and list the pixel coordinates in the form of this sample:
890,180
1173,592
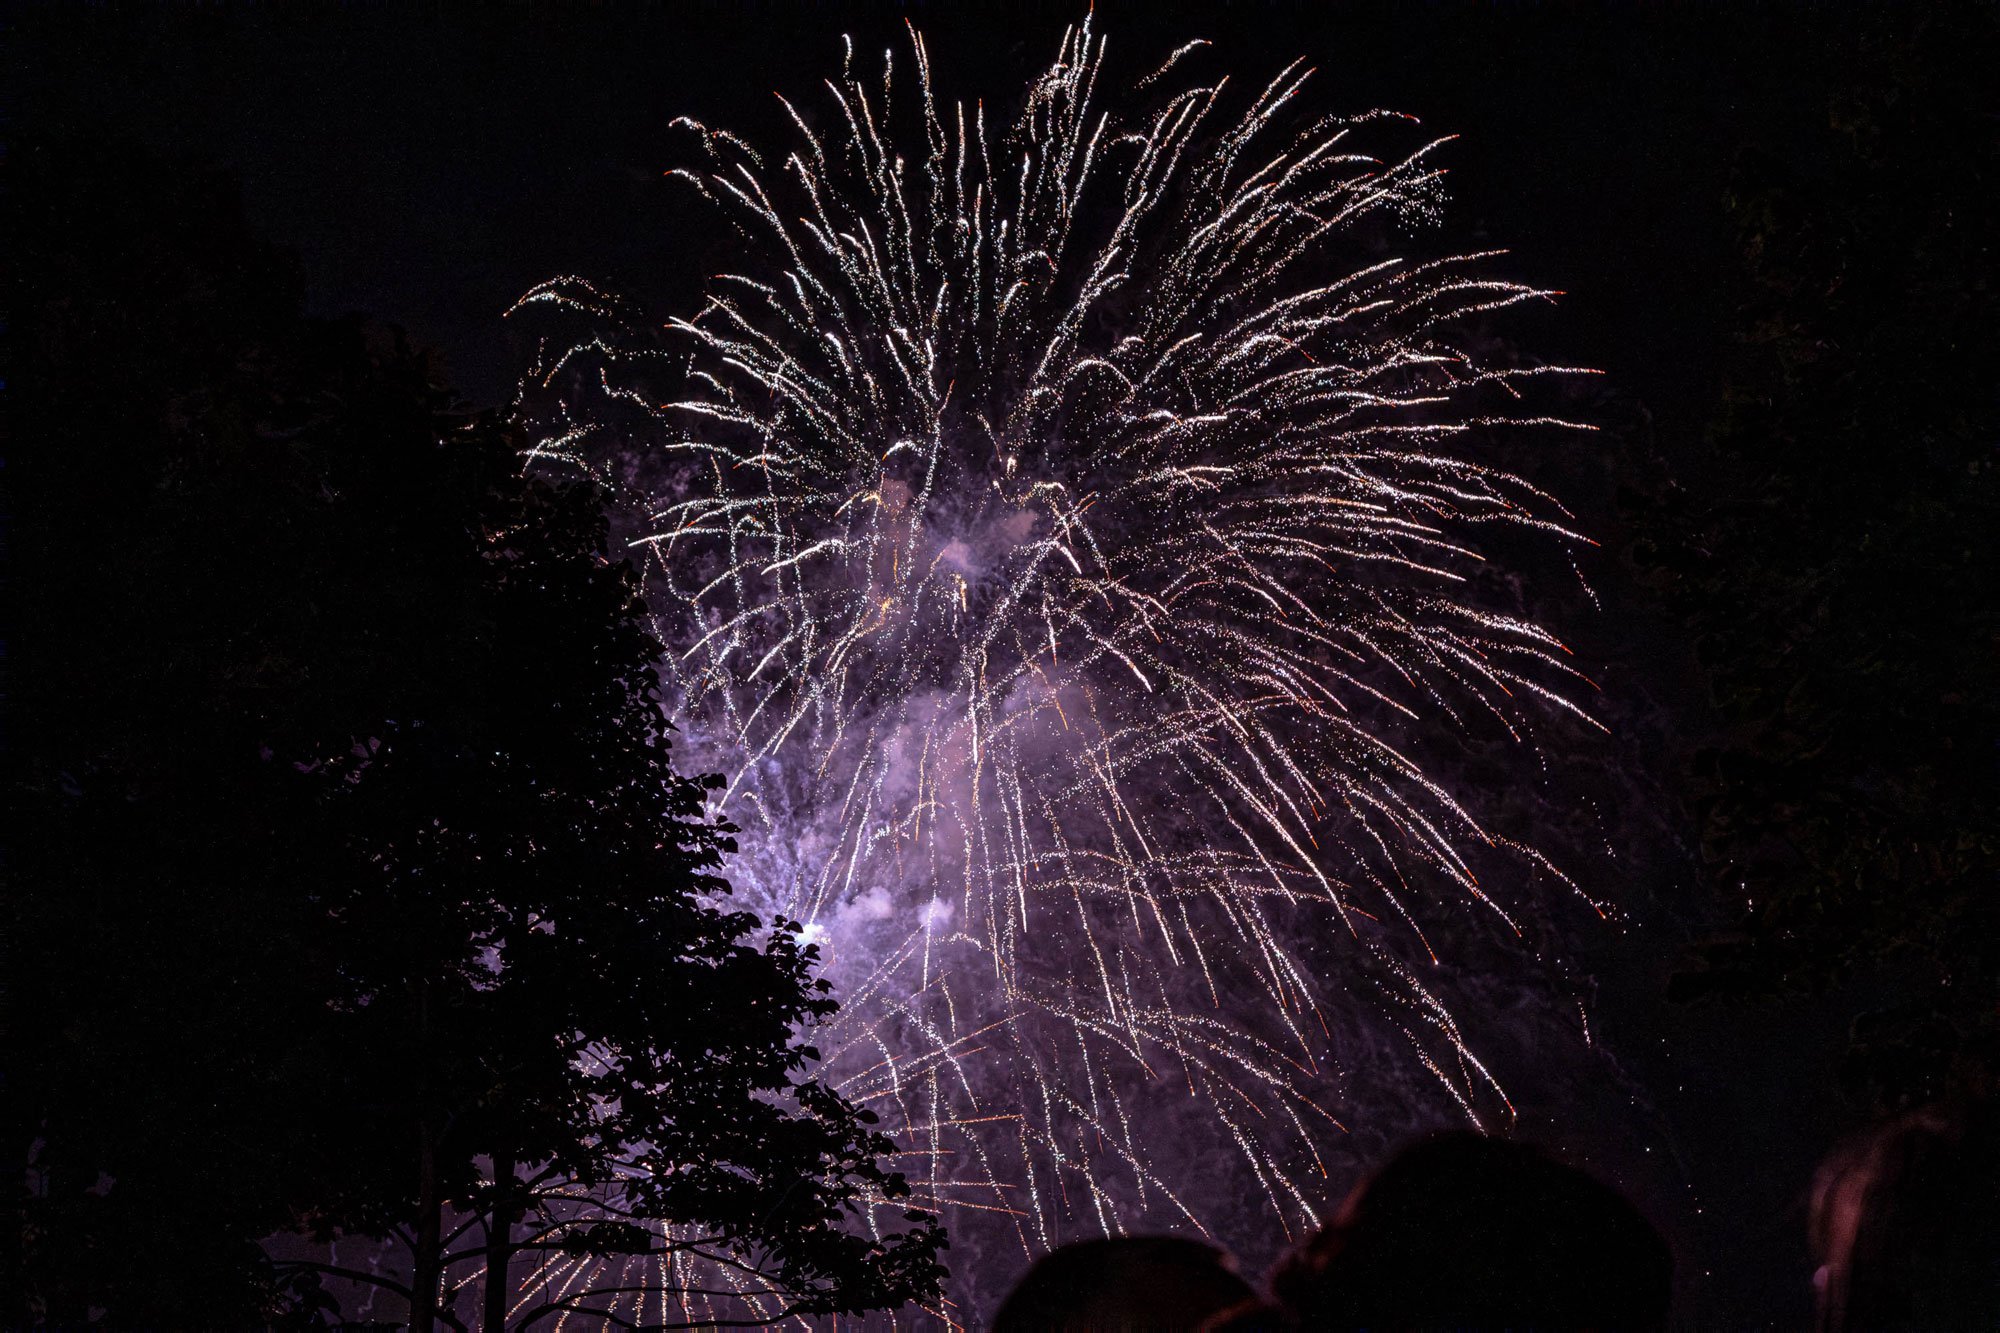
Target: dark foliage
1838,560
355,891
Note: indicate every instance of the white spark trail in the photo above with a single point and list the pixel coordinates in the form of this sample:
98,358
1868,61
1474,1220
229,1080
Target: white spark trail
1067,546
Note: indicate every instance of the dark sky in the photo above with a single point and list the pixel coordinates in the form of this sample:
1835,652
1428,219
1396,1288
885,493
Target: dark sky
430,163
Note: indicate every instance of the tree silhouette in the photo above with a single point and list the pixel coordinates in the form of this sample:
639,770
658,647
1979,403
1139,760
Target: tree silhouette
357,894
1835,559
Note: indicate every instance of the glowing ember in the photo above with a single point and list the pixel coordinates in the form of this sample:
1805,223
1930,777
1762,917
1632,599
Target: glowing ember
1063,543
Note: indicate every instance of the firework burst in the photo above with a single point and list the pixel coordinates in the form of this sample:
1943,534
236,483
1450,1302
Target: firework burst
1064,545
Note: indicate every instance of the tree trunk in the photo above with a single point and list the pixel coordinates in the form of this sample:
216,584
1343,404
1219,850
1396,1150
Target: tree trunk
427,1260
500,1247
427,1257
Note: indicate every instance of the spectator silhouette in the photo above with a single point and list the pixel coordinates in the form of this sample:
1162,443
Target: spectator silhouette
1904,1229
1124,1285
1467,1232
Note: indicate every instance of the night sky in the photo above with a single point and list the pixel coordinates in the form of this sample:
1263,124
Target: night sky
429,164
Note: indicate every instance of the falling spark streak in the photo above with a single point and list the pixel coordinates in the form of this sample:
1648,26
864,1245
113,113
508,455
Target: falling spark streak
1064,554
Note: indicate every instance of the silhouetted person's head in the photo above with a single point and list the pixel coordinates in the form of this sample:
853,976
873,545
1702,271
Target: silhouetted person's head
1463,1231
1123,1286
1904,1226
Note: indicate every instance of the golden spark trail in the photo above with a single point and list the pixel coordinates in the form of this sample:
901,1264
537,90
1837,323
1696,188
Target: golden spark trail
1066,538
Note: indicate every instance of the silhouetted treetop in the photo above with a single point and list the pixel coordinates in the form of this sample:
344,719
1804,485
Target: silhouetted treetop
363,895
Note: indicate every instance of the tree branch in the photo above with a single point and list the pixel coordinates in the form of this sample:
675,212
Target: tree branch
369,1279
569,1305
